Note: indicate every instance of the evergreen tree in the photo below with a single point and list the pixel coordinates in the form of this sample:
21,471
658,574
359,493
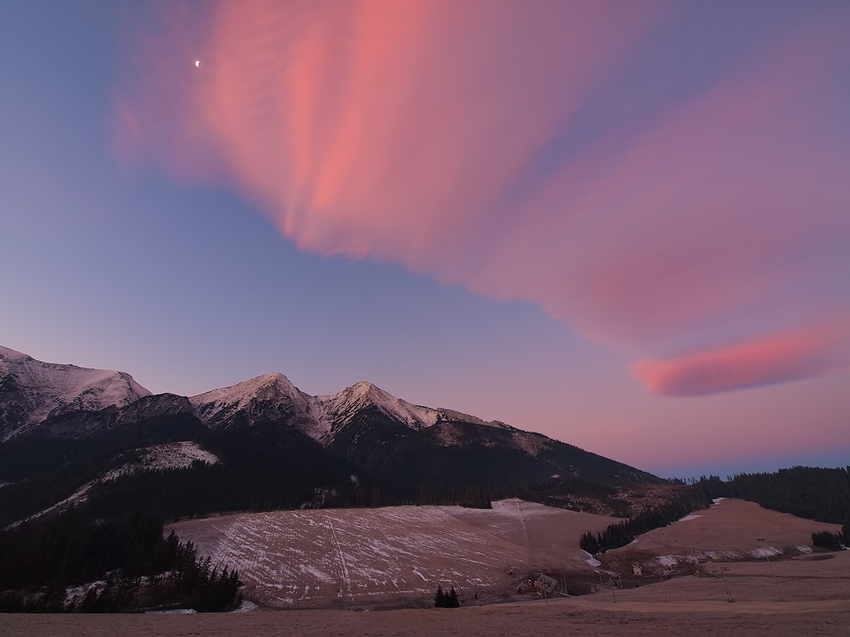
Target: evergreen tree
827,540
38,560
589,543
451,600
440,598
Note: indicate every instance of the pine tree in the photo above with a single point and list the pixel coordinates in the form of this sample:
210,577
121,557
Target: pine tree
440,598
452,601
589,543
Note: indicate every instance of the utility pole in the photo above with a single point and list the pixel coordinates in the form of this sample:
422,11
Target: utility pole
767,557
726,584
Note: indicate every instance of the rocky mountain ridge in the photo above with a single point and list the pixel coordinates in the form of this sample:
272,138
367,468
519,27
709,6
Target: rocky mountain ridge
36,395
32,391
64,426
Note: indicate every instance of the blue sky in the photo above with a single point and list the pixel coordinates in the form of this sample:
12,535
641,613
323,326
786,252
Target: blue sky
667,328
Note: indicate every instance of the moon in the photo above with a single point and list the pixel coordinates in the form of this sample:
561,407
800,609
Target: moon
198,63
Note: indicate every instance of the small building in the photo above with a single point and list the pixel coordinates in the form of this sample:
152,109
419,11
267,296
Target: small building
546,584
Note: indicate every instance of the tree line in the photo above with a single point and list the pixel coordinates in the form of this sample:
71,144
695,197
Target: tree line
807,492
832,541
446,600
128,558
690,499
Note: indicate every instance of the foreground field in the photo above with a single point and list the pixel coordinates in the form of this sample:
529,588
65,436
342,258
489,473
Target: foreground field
589,617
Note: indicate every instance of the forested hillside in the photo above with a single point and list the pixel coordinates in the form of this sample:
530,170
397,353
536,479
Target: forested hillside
121,564
807,492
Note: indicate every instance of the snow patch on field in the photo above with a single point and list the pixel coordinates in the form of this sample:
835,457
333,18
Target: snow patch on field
668,560
672,561
591,561
766,551
246,607
312,557
515,507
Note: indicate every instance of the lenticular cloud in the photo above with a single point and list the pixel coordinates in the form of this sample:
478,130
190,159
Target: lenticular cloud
770,360
533,152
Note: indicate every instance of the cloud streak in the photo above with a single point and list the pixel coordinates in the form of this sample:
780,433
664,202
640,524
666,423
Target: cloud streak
534,155
764,361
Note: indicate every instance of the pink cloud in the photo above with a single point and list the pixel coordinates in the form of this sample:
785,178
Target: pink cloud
403,132
758,362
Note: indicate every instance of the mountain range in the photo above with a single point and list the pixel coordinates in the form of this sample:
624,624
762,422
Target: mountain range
264,444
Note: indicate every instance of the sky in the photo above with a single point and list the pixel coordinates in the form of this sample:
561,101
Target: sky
623,225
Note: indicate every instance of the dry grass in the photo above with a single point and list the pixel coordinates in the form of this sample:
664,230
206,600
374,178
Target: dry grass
579,616
734,525
800,597
367,558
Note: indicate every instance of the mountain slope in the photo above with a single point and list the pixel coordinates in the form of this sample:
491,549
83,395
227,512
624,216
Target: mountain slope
279,448
32,391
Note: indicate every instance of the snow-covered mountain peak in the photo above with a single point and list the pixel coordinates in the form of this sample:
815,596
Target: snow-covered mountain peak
31,390
341,407
266,387
366,392
362,387
269,397
12,355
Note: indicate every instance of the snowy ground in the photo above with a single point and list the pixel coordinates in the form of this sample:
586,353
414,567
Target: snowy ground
175,455
360,557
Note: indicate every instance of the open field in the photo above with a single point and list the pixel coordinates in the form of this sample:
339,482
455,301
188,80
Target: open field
803,596
349,558
586,616
732,538
369,559
731,525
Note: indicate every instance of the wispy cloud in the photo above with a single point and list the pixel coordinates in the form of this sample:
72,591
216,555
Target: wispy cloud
776,359
469,141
